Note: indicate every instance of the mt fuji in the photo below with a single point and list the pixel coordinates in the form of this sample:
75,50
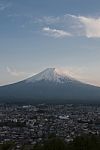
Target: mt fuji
51,75
50,86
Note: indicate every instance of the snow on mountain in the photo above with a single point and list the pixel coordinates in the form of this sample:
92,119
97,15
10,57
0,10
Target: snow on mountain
51,74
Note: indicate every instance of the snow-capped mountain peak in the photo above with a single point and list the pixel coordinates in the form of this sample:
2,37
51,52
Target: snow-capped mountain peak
50,74
50,86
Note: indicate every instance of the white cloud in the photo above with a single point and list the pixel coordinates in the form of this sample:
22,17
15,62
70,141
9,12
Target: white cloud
86,26
56,33
48,20
71,25
4,6
14,72
91,26
63,26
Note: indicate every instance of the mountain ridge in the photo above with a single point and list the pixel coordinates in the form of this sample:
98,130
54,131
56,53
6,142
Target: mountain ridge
51,74
50,86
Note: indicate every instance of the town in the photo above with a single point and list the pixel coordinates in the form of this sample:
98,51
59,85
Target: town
32,124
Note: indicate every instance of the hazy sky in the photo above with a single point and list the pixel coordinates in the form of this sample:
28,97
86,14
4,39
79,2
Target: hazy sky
37,34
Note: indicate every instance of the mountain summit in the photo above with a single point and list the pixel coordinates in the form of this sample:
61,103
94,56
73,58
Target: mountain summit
50,86
51,74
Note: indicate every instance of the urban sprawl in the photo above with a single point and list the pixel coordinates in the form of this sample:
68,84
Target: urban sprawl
30,124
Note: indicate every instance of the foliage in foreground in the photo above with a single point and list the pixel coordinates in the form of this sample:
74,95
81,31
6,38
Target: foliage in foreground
7,146
79,143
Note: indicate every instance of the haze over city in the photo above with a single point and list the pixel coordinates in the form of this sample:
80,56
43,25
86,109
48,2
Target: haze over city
35,35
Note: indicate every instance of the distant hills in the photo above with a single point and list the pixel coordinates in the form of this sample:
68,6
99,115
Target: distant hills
50,86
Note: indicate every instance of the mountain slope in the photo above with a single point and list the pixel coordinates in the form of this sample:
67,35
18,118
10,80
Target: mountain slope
50,86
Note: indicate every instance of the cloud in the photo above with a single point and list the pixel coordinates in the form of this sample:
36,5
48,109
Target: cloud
14,72
56,33
71,25
67,25
4,6
47,20
91,26
86,26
